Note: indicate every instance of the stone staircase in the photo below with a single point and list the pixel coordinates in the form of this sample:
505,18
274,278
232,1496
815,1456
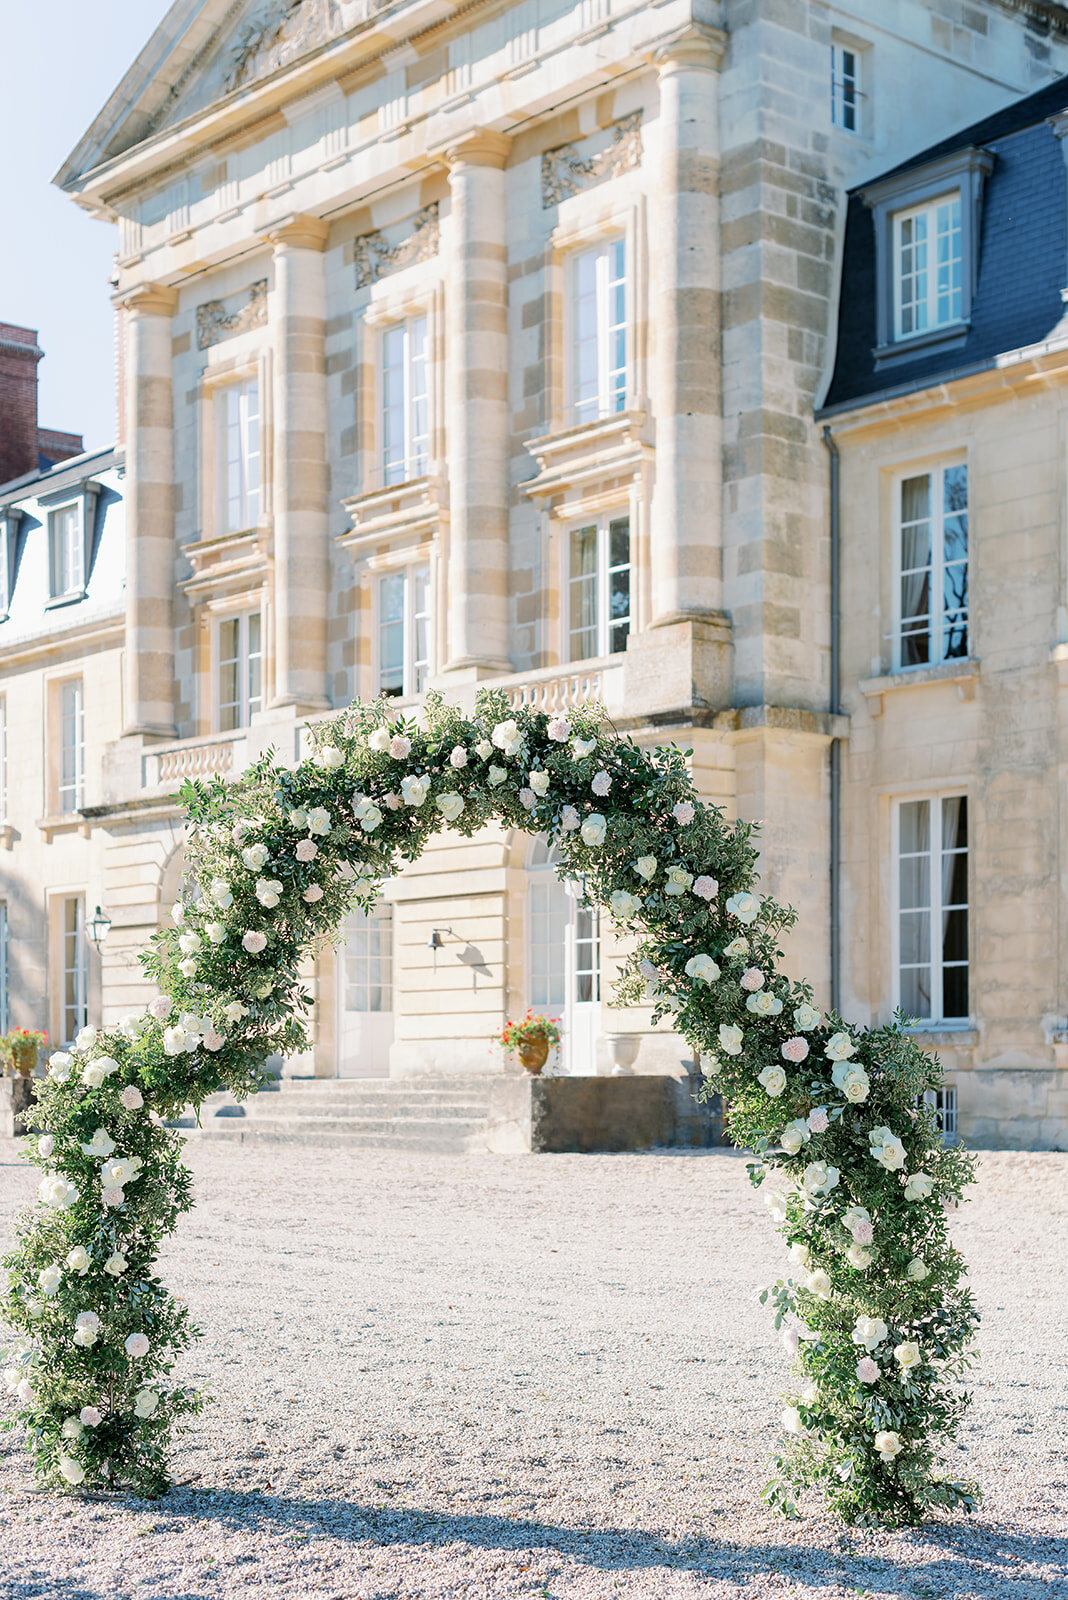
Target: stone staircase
446,1116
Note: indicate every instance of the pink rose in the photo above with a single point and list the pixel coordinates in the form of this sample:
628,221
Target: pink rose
160,1007
683,813
113,1196
752,979
868,1370
601,783
307,850
88,1320
394,802
818,1120
558,730
458,758
705,888
790,1340
89,1417
25,1391
132,1098
569,819
795,1049
399,746
528,799
312,893
213,1041
254,942
863,1232
136,1346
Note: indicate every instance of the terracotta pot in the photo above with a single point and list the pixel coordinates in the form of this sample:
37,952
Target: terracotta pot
24,1059
533,1055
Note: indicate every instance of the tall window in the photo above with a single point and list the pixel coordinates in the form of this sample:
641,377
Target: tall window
405,407
933,567
240,677
239,456
3,967
368,960
66,562
845,87
928,256
548,932
404,631
599,331
3,759
932,908
598,588
71,745
73,957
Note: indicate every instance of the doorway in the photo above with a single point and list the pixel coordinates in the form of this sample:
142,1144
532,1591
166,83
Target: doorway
564,960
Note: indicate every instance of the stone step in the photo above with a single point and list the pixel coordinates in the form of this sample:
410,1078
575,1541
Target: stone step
336,1138
389,1110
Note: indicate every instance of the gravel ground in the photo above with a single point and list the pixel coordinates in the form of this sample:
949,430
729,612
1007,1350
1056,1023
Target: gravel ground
539,1376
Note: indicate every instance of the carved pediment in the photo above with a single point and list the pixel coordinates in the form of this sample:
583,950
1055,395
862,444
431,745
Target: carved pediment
374,256
566,170
279,33
216,322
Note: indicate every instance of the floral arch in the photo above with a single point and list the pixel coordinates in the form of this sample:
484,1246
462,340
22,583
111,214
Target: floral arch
851,1164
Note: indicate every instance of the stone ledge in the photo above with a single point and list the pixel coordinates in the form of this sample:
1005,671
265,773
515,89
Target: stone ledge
963,673
590,1114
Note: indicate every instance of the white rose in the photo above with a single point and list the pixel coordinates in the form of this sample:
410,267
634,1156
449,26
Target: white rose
145,1402
254,856
378,740
795,1136
907,1355
56,1191
189,943
886,1149
507,737
764,1004
497,776
50,1278
594,828
851,1080
86,1039
818,1283
918,1185
215,931
870,1332
858,1257
174,1041
70,1469
268,892
730,1038
888,1445
414,791
116,1264
235,1011
220,893
746,907
319,821
370,817
298,819
854,1215
601,784
45,1145
581,748
539,781
101,1144
800,1254
93,1075
773,1080
678,880
839,1047
330,758
917,1269
645,867
483,749
806,1018
450,805
702,969
624,905
775,1200
59,1065
72,1428
791,1420
819,1178
738,948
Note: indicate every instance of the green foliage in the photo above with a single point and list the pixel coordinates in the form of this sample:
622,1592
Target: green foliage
855,1171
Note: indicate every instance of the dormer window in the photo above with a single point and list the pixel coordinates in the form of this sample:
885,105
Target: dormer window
71,514
927,230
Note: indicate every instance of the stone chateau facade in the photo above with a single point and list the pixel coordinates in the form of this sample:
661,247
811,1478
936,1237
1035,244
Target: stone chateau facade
462,345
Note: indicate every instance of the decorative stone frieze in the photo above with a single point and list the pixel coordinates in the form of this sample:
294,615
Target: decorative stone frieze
284,30
565,172
215,323
374,257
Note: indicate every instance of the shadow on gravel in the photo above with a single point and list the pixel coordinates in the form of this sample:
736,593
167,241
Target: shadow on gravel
966,1546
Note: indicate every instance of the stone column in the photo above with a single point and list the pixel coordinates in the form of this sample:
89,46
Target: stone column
299,466
149,495
685,521
476,379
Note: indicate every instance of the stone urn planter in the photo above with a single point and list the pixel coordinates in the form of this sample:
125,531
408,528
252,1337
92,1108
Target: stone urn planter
533,1055
623,1048
23,1057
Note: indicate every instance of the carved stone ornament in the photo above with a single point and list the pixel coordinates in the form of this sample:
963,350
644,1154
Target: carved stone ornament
374,257
215,323
565,172
284,30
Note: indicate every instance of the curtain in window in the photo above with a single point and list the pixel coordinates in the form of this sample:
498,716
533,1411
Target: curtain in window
916,571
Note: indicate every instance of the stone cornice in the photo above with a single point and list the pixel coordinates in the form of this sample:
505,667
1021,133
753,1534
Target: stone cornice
695,46
483,148
149,299
300,230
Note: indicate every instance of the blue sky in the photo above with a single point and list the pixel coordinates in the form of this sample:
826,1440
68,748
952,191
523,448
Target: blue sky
62,58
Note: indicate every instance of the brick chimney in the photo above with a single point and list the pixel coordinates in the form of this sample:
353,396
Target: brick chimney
19,355
25,447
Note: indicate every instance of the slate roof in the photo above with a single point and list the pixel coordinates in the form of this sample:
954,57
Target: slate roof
1023,257
61,475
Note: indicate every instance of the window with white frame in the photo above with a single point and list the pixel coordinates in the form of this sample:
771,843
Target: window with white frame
66,574
598,588
368,960
239,455
71,717
932,567
928,266
74,973
846,87
931,869
239,676
943,1102
403,605
3,966
8,525
405,401
599,331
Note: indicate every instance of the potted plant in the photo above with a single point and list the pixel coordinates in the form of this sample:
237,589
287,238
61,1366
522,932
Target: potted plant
530,1040
19,1047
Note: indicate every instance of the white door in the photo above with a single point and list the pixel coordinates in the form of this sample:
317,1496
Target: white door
365,994
565,961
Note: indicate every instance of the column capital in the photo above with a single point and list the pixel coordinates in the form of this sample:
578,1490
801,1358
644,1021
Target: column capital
483,148
150,299
695,46
300,229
